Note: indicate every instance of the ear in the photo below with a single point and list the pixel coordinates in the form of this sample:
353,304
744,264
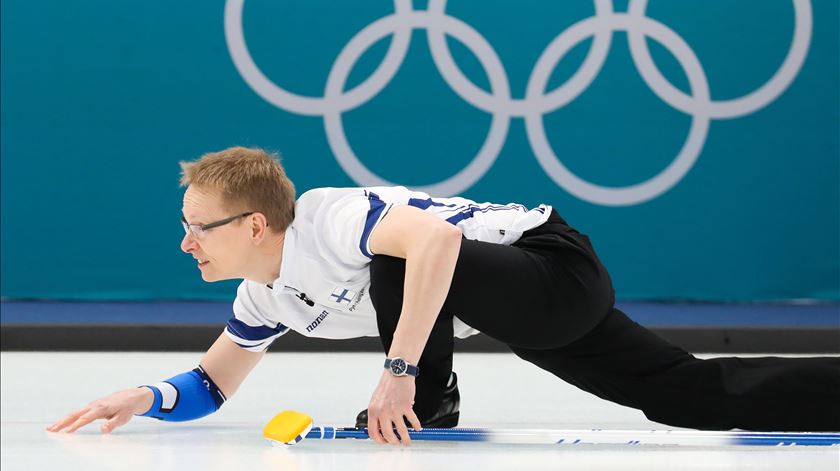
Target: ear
259,226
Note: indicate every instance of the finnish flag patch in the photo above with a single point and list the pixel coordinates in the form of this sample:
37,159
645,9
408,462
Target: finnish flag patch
341,295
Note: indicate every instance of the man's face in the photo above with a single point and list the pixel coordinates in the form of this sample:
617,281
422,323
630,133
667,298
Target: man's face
223,250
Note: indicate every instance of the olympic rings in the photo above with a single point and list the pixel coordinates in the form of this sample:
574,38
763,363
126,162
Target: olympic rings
536,102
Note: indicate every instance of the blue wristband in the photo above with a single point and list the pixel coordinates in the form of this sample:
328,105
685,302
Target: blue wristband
187,396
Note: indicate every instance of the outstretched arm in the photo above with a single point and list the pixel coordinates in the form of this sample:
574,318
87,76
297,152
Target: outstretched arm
225,362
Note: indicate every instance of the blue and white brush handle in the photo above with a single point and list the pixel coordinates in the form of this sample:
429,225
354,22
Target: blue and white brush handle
600,437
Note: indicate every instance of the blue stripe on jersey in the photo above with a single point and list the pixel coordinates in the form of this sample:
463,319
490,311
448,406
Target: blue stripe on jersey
376,207
259,345
247,332
472,209
424,204
466,214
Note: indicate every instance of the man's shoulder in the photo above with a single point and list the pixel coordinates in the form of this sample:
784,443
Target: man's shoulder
327,194
329,190
313,204
333,199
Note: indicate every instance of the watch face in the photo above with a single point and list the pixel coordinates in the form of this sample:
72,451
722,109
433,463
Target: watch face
398,366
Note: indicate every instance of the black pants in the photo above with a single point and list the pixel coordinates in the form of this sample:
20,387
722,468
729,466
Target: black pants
550,299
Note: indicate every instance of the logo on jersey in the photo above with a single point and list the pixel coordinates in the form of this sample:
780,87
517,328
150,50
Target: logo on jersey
357,301
342,295
323,315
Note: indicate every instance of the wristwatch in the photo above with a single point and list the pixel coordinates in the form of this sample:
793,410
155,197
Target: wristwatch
399,367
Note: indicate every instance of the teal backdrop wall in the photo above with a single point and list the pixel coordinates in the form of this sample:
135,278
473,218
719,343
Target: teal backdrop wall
720,186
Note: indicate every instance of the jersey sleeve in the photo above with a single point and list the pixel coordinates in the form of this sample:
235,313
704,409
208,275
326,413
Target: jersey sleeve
344,226
249,328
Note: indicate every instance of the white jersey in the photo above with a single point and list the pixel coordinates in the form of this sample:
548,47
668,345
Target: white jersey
324,283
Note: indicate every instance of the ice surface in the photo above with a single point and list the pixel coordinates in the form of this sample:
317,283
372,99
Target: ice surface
497,390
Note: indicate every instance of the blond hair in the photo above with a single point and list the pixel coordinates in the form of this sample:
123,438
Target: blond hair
248,180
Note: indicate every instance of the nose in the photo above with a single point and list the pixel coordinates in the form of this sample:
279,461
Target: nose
188,244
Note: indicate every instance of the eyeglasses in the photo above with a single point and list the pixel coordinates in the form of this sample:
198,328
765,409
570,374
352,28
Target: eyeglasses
199,230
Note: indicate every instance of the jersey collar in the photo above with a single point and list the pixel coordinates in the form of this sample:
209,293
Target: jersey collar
286,280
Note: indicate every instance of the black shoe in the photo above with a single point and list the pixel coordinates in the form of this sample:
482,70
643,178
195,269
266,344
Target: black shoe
446,416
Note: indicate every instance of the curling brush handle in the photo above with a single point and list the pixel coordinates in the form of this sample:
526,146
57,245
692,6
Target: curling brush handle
622,437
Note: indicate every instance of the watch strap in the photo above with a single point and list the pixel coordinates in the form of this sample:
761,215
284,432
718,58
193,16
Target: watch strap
411,370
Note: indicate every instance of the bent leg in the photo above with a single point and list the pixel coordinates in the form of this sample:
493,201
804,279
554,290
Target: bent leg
527,299
543,292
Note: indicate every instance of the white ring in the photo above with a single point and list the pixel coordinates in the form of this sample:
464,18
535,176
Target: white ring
337,138
671,175
734,107
304,105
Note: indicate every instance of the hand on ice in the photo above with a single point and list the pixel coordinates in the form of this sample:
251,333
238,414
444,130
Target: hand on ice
117,408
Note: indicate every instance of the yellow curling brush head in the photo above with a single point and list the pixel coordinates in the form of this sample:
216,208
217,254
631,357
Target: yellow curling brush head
287,428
